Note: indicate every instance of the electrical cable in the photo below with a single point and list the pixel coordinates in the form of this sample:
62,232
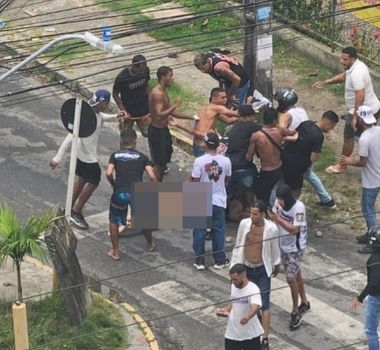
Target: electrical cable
177,313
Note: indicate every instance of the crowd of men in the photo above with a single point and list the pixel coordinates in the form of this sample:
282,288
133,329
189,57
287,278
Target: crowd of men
258,173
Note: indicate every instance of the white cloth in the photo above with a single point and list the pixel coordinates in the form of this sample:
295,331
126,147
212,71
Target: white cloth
358,78
369,146
296,216
298,115
241,300
87,150
259,101
270,252
214,169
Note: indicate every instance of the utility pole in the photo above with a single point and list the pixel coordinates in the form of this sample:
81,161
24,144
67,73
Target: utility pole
258,45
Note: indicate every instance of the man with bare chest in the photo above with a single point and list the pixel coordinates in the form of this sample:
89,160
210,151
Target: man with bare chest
266,143
206,120
160,109
257,247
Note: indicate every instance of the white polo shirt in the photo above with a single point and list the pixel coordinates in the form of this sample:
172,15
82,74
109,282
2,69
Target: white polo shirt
358,78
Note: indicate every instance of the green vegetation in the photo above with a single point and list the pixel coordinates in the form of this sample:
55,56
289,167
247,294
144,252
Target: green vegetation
190,100
49,323
307,70
326,158
199,34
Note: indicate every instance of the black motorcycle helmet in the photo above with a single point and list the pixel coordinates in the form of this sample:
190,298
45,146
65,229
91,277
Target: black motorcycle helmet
374,237
285,97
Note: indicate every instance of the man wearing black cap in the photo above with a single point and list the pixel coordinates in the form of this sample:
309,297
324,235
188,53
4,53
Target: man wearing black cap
215,168
130,92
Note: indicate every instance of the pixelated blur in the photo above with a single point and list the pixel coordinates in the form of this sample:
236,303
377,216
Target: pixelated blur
158,205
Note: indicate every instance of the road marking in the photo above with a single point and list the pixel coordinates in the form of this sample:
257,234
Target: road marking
334,322
182,298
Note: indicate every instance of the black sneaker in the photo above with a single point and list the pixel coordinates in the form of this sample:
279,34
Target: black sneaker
265,344
78,220
303,308
295,320
208,236
222,266
366,250
329,205
363,239
199,265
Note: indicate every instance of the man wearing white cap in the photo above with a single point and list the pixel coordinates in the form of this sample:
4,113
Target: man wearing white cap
369,161
87,170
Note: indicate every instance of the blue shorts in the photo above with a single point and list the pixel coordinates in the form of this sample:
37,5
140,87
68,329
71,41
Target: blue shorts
119,207
258,275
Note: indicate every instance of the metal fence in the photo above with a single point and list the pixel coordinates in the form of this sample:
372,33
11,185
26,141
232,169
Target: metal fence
329,21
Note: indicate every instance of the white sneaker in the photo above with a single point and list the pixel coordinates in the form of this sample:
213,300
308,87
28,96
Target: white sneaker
222,266
199,267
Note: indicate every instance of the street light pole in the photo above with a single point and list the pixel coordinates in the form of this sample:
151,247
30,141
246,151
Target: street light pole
88,37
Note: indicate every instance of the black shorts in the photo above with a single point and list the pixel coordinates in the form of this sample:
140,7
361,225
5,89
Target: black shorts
138,109
89,172
293,176
160,145
349,132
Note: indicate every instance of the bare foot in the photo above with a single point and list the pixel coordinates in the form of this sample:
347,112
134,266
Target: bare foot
113,256
150,247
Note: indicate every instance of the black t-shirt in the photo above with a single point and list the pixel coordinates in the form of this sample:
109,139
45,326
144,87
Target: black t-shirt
310,139
238,143
133,91
129,168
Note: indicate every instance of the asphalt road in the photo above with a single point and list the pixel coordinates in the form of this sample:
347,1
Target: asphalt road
163,285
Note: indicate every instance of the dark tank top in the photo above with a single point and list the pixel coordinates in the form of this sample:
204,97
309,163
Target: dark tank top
234,65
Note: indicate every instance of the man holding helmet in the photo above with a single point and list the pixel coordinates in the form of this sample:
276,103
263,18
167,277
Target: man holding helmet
372,291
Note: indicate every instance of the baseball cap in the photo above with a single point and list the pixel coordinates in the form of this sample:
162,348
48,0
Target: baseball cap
212,139
365,113
99,96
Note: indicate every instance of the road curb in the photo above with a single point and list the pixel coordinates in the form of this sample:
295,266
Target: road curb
148,334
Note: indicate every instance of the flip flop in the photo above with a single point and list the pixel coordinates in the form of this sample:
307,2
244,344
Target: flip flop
113,257
151,250
333,169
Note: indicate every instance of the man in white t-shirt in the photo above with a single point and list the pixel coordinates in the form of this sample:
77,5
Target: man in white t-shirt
358,91
369,161
215,168
87,169
243,328
290,216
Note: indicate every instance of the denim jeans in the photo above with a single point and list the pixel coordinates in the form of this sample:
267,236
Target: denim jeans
242,93
199,234
198,151
372,317
241,179
369,196
312,178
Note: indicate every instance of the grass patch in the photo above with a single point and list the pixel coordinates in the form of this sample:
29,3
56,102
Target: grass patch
190,100
199,34
286,57
48,322
326,158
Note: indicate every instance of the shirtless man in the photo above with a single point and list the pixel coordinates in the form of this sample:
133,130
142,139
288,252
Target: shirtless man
206,120
257,247
159,138
267,144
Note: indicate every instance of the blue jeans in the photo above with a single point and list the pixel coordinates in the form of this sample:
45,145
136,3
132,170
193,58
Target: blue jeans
218,223
258,275
242,93
242,179
372,317
312,178
198,151
369,196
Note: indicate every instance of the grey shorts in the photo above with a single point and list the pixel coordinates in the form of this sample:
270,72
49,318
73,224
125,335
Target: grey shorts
292,262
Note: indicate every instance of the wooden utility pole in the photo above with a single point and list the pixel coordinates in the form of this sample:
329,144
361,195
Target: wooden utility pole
258,46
